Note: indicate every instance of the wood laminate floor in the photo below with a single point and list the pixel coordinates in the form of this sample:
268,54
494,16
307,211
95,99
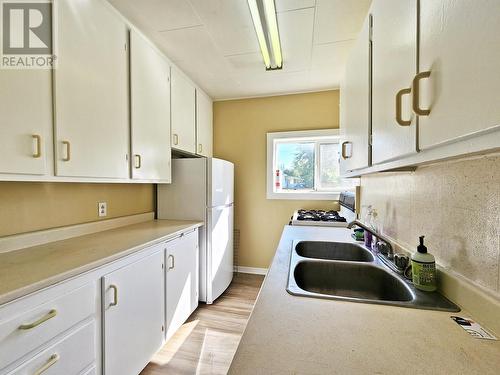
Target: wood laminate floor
206,343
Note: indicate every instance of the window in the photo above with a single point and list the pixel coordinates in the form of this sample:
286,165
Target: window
304,165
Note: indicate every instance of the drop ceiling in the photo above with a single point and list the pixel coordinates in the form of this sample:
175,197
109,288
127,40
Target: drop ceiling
214,42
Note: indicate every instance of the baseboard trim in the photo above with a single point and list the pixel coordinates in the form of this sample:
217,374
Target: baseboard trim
251,270
23,240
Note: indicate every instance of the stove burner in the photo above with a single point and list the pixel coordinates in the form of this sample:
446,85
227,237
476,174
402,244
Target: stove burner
319,215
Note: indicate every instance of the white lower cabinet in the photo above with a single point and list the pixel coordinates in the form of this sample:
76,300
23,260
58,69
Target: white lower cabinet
72,355
24,331
109,321
182,280
133,314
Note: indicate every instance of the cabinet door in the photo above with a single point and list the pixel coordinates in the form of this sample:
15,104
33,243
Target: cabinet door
91,91
182,280
394,42
133,310
26,120
150,111
459,45
355,105
183,113
204,126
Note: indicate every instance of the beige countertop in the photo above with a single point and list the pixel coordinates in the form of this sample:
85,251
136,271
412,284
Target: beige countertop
27,270
298,335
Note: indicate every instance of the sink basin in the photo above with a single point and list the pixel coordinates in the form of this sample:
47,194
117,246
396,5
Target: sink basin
351,280
333,251
350,272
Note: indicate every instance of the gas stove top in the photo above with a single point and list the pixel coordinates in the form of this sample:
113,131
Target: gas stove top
318,218
319,215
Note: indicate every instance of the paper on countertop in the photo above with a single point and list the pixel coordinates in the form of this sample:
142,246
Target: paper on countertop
473,328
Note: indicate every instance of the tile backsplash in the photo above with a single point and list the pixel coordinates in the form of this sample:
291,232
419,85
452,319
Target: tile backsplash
455,204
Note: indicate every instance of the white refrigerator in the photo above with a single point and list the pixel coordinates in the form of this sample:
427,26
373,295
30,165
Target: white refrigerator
203,189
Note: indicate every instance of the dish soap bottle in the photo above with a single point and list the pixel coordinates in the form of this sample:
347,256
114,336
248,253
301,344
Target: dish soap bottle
423,268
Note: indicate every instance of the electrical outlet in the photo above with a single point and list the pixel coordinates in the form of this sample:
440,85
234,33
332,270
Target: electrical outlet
102,209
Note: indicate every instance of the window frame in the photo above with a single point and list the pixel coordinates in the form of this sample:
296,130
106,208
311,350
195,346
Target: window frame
329,136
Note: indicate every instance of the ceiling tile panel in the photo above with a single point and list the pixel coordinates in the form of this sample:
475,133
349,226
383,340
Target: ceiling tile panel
158,15
194,51
338,20
214,42
328,64
229,24
286,5
296,35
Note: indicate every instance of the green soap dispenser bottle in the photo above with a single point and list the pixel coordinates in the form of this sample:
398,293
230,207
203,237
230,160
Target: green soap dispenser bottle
423,268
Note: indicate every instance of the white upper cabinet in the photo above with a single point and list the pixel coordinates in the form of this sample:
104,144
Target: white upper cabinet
183,112
134,315
26,121
150,111
460,47
394,42
204,124
91,91
355,105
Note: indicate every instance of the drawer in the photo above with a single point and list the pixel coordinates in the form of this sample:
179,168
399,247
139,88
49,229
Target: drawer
69,356
23,331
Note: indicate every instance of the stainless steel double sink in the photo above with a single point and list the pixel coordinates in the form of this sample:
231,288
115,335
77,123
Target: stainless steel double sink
350,272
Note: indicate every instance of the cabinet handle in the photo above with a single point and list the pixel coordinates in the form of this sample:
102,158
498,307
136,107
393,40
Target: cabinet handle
38,145
399,97
68,151
115,295
138,161
416,94
200,147
176,139
51,362
172,262
36,323
344,155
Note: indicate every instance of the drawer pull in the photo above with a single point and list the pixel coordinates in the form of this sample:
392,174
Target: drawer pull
68,151
38,145
343,152
416,94
138,161
115,295
399,117
49,315
51,362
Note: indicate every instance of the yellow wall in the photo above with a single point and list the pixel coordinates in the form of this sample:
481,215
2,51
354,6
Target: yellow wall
27,206
240,128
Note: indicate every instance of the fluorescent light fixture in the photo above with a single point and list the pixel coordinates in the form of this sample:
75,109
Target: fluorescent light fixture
266,27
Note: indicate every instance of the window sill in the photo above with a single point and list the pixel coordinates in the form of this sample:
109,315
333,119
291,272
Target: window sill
318,196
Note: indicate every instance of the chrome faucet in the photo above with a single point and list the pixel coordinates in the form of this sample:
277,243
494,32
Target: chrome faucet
384,247
397,262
